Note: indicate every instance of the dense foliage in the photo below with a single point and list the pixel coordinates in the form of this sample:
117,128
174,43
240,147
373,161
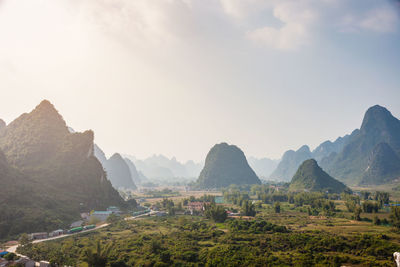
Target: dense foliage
191,241
216,213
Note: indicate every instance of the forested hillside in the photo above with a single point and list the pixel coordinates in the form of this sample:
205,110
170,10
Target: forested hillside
50,175
311,177
226,165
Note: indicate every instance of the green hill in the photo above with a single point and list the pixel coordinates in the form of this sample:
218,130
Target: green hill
225,165
49,175
311,177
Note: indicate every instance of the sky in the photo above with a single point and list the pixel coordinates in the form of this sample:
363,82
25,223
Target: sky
175,77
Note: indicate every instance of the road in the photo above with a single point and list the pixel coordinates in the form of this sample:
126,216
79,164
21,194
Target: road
14,248
153,212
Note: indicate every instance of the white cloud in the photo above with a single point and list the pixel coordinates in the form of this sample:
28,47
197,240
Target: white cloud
241,9
154,21
278,24
297,18
383,20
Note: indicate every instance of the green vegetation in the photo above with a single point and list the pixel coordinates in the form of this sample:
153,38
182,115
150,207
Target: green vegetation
217,213
226,165
311,177
48,175
294,229
195,241
277,207
395,217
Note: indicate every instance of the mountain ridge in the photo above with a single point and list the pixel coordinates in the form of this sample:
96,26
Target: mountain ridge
58,168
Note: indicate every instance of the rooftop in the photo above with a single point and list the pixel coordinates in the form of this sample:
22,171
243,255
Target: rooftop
102,212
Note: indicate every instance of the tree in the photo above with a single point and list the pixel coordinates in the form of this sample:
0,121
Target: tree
382,198
113,218
277,207
171,211
99,257
377,221
395,217
216,213
95,220
365,195
357,213
351,202
369,207
10,256
248,208
24,239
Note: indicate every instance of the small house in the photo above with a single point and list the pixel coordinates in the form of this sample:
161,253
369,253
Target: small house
101,215
56,233
197,207
114,209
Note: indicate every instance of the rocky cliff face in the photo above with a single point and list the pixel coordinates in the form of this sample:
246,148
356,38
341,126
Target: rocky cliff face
136,177
383,166
378,126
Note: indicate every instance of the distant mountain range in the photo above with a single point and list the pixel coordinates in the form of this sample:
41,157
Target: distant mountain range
162,168
290,162
263,166
225,165
310,177
368,156
48,175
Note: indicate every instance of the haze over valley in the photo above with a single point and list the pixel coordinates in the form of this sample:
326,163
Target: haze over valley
199,133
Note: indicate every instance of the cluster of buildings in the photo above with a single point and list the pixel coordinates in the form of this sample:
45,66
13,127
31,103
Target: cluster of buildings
98,215
197,207
20,261
103,215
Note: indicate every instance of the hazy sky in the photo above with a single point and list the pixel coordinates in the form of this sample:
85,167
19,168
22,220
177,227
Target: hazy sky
177,76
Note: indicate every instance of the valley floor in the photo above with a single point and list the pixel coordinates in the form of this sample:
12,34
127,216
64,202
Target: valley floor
185,240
